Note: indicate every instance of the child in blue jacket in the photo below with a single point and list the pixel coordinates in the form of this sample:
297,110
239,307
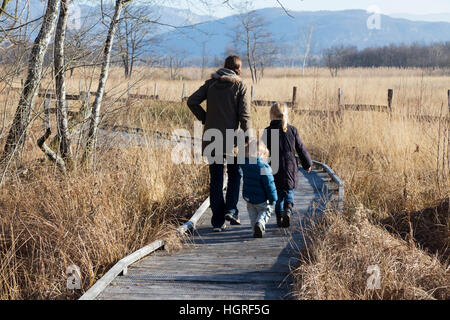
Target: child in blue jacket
259,189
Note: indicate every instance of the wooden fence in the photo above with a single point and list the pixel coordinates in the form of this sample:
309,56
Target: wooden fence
84,96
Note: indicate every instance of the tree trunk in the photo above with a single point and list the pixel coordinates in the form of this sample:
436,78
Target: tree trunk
95,112
60,68
3,7
125,66
249,59
17,133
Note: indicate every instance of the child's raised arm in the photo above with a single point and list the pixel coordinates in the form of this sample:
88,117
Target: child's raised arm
302,152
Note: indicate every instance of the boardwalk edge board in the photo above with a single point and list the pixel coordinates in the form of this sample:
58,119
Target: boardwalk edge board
121,267
337,180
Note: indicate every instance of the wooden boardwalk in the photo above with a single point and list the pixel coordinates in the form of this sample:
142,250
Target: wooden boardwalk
231,264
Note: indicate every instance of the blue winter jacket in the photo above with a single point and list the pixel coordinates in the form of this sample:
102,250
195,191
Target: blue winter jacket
258,187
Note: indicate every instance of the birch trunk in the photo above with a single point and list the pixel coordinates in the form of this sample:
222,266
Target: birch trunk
60,69
17,133
3,7
308,48
95,112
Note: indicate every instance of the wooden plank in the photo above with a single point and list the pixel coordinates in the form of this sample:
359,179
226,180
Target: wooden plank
366,107
102,283
195,218
192,296
225,261
213,277
122,265
208,265
176,289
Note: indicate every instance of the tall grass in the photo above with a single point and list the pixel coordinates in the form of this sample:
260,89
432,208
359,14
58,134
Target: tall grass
337,260
393,168
89,219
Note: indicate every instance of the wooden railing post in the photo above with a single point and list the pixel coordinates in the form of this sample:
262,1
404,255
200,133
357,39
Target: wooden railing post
294,97
47,102
448,94
390,98
340,94
183,93
85,97
155,91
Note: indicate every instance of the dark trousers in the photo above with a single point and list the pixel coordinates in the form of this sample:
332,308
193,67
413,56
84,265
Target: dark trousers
219,205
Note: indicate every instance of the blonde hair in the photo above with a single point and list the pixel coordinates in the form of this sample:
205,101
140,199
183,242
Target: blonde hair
279,111
254,148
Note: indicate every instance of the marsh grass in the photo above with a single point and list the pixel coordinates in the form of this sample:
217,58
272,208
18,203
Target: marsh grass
343,247
90,219
392,167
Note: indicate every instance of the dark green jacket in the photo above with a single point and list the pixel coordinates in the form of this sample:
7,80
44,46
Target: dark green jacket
227,104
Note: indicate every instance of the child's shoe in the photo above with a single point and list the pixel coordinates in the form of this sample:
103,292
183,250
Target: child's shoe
259,230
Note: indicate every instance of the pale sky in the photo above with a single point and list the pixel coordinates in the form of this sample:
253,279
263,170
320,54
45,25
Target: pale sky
386,6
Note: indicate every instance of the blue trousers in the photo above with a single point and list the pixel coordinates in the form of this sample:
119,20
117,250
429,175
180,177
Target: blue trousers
283,198
219,205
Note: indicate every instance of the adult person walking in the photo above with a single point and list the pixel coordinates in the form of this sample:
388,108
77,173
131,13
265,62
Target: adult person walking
227,107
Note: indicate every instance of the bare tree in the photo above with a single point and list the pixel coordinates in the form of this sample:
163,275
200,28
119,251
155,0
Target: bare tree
204,59
134,35
266,56
17,133
307,42
334,59
175,62
60,71
252,35
106,60
3,7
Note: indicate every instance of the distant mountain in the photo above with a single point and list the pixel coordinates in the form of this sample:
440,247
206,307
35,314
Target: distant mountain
179,17
90,14
203,33
347,27
434,17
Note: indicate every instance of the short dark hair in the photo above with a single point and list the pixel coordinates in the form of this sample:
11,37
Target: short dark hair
233,63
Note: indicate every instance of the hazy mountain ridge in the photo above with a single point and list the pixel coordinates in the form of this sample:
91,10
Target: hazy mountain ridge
89,12
348,27
433,17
